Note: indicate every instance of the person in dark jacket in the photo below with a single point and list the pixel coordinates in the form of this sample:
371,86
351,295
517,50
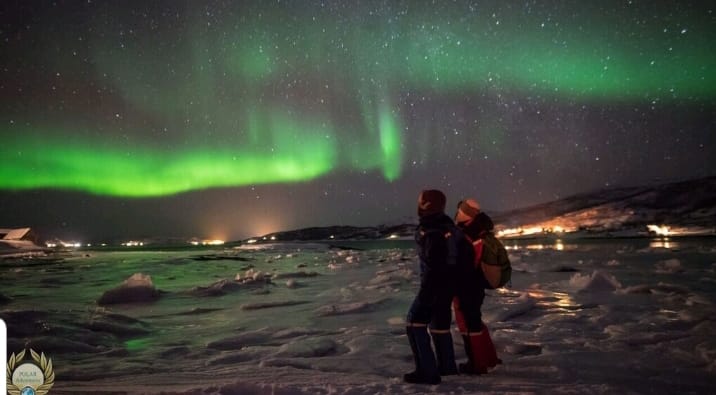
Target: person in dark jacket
443,253
480,350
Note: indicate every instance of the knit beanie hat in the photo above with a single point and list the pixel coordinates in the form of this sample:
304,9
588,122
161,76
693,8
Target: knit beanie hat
466,210
431,201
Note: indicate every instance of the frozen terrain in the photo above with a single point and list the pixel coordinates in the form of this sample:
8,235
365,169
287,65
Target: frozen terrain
592,317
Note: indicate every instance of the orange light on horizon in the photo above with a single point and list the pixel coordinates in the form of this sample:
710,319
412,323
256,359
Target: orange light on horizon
559,246
541,228
520,231
661,230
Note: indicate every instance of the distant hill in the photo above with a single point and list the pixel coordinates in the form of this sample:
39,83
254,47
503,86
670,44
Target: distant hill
342,233
685,208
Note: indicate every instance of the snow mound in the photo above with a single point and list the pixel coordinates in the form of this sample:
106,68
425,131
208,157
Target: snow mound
218,288
309,347
598,281
348,308
658,289
669,266
517,307
138,288
242,340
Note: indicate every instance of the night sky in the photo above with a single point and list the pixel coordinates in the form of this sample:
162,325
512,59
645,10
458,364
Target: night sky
121,119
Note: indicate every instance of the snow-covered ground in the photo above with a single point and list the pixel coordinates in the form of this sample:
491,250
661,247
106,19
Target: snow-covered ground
592,317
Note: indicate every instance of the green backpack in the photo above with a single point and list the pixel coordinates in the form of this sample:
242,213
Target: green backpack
495,254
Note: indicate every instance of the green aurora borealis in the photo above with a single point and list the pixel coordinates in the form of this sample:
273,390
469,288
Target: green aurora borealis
180,97
225,119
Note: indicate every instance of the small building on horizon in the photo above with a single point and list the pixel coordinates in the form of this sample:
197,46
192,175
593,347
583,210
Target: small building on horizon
18,238
17,234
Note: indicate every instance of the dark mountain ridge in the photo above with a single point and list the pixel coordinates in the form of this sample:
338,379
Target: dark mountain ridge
686,208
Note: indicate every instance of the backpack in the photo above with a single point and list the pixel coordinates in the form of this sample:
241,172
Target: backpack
494,255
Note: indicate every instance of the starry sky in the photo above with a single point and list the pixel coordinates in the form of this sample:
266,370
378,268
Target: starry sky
227,119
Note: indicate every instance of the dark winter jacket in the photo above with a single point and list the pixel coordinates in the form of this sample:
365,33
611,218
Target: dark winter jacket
446,259
437,256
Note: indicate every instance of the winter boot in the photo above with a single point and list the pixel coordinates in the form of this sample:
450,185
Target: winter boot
442,340
481,353
426,370
466,368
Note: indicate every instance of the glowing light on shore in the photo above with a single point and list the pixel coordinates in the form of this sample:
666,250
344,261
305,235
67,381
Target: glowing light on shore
214,242
536,229
660,230
251,241
520,231
133,243
393,236
64,244
559,246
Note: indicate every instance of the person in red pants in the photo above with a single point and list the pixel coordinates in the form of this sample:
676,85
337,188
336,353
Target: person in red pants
445,257
480,350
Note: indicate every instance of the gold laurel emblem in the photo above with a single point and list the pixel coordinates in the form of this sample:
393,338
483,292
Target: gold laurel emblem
45,365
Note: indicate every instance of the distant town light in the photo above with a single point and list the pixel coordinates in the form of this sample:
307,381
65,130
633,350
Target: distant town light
65,244
214,242
133,243
393,236
251,241
544,228
659,230
559,246
273,237
520,231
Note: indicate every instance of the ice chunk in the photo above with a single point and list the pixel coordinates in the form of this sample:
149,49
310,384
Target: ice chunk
218,288
598,281
138,288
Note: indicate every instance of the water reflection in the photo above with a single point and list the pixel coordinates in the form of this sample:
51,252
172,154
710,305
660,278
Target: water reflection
556,302
557,245
663,242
